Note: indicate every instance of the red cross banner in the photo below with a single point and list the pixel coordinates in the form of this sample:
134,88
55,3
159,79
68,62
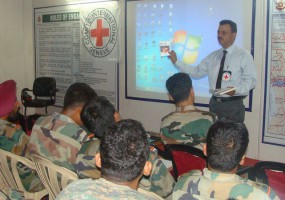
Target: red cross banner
99,36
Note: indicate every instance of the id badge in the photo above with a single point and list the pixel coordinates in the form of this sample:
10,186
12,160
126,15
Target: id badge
227,75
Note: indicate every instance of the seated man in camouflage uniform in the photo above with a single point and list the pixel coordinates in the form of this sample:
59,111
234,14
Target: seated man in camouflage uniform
123,157
59,137
225,149
12,137
187,124
98,115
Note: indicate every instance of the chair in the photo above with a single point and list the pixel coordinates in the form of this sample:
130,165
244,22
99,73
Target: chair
10,175
54,177
185,158
161,149
246,172
247,169
44,91
272,174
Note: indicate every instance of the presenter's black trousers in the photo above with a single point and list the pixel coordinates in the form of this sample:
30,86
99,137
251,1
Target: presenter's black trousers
233,110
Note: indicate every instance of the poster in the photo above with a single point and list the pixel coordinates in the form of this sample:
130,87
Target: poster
274,106
78,43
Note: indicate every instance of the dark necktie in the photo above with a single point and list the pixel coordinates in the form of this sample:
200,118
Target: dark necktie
219,79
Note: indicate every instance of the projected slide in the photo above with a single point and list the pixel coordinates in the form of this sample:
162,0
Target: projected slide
188,27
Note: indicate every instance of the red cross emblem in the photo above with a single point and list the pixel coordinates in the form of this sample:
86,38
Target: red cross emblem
99,33
226,76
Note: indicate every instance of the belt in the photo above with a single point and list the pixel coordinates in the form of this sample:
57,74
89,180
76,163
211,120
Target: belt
226,99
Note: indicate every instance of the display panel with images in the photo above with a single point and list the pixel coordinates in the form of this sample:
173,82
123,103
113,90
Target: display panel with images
153,28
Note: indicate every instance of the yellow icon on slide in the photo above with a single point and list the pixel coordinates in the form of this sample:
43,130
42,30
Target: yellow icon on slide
186,46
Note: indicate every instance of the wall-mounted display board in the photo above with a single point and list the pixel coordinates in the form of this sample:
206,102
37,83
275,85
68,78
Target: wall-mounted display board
187,26
274,102
78,43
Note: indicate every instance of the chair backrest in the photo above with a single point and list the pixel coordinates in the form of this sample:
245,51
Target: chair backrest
272,174
44,86
10,174
44,90
161,149
54,177
186,158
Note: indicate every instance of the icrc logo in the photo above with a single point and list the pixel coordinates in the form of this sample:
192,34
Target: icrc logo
100,32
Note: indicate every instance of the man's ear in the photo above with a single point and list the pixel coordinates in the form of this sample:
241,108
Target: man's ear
117,116
205,149
98,160
192,91
170,97
147,168
192,95
242,160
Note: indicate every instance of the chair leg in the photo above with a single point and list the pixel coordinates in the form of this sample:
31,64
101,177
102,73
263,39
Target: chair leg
46,110
25,111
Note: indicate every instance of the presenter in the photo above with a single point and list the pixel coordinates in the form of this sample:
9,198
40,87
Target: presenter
229,67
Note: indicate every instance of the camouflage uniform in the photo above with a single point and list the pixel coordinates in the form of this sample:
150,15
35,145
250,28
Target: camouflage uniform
12,137
160,180
9,194
102,189
189,127
213,185
57,138
85,161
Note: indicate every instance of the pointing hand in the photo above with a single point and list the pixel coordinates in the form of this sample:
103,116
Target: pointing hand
172,56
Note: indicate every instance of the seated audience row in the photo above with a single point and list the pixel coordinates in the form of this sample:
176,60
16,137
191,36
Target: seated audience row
89,125
62,139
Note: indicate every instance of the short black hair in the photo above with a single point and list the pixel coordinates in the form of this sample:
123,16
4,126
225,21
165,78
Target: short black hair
227,142
98,115
78,94
178,86
124,151
232,24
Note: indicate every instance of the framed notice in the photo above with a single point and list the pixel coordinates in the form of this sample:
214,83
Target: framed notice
78,43
274,106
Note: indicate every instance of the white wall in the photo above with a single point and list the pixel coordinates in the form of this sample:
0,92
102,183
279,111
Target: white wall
17,62
16,42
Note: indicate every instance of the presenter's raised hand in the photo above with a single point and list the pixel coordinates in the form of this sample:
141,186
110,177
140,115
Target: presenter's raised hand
172,56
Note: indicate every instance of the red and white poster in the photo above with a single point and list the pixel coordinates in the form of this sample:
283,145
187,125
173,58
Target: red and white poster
79,43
